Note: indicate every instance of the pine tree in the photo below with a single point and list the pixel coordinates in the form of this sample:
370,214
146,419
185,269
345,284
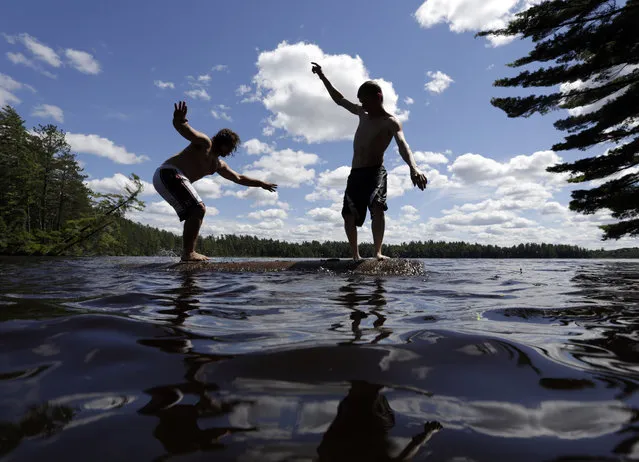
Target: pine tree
17,164
592,47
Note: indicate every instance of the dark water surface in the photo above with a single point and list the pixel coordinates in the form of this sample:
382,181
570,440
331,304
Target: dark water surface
125,359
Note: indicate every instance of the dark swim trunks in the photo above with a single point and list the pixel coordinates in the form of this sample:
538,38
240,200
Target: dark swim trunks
365,186
177,190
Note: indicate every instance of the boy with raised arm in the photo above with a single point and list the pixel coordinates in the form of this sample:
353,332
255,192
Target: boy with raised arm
367,182
173,179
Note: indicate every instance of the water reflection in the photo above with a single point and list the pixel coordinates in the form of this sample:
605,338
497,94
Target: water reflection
357,296
181,408
180,424
360,430
43,420
183,298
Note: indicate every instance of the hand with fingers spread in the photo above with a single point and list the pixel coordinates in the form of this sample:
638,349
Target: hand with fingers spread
179,115
418,179
269,186
317,69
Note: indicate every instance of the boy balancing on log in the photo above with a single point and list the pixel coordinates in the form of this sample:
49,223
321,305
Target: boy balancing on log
172,180
366,185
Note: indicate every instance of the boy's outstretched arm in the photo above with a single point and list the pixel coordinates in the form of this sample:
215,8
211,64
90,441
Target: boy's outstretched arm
226,172
335,95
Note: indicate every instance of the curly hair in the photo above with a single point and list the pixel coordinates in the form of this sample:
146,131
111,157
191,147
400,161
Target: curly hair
226,137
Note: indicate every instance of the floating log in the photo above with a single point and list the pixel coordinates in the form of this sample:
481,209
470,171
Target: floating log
393,266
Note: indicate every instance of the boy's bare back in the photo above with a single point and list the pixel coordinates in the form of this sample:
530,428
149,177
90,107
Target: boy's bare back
196,161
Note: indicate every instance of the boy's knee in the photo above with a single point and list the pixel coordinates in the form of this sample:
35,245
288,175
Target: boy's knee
201,209
377,211
198,210
349,219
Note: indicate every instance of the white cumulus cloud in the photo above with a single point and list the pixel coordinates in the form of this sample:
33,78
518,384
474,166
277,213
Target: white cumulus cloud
7,88
221,115
255,146
472,168
429,157
438,82
297,99
209,187
83,61
259,196
103,147
198,93
117,184
409,213
330,185
40,50
8,83
324,214
8,98
49,111
285,168
242,90
19,58
471,15
161,84
268,214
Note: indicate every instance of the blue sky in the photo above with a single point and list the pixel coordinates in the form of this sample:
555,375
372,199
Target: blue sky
108,74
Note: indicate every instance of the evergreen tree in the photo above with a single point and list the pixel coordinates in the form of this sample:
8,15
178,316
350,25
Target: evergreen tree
592,47
17,163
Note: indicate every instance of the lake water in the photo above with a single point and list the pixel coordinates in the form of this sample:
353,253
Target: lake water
108,359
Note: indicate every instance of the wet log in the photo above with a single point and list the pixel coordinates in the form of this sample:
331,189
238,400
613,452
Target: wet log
393,266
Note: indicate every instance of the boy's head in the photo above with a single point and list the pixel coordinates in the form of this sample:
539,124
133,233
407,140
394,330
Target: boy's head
225,142
370,95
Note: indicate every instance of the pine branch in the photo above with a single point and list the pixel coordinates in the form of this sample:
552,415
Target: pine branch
532,29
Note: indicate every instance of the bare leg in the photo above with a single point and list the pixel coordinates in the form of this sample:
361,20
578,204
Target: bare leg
378,226
189,237
351,234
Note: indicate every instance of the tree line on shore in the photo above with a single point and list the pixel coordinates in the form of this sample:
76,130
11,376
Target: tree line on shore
130,238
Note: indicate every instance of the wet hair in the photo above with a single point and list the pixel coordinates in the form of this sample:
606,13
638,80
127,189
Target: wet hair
226,137
370,88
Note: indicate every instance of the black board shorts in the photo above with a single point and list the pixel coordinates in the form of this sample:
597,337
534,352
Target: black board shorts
365,186
177,190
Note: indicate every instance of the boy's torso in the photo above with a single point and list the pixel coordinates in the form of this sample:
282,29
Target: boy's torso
195,162
371,140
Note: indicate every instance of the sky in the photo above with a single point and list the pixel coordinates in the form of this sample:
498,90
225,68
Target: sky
108,74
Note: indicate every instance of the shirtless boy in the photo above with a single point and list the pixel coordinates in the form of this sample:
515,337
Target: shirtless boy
172,180
366,185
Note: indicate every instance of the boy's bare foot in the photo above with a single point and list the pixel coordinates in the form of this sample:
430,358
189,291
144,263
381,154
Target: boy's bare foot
194,256
379,256
357,258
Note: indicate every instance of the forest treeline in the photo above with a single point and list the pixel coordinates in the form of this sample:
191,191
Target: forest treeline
130,238
47,209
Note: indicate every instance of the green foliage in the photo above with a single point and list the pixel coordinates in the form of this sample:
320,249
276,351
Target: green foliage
594,45
45,208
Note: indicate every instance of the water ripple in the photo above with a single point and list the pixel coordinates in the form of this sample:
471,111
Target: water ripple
474,360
